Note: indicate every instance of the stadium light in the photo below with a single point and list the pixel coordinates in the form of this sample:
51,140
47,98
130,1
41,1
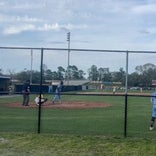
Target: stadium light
68,39
31,66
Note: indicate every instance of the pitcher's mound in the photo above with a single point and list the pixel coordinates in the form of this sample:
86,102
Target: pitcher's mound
63,105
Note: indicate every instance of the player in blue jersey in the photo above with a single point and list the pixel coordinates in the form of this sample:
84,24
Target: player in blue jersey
153,100
58,92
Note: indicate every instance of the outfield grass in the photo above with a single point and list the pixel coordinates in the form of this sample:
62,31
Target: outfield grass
88,121
100,121
97,131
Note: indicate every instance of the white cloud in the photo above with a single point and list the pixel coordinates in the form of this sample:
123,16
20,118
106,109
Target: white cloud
2,4
72,27
18,5
26,18
18,29
46,27
144,9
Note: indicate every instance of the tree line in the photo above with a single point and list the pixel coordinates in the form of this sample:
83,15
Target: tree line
142,76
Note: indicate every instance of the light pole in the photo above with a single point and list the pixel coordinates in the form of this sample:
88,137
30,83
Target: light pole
68,39
31,66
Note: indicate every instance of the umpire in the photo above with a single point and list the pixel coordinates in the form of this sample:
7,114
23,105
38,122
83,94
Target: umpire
26,92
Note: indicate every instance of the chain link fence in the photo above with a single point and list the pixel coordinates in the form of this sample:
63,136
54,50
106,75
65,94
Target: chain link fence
128,113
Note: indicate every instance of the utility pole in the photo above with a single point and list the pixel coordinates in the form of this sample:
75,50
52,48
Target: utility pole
31,66
68,39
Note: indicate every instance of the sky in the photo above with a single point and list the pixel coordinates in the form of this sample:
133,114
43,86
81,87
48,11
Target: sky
93,24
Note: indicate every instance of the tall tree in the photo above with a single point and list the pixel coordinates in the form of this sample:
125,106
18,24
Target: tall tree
48,74
73,70
147,73
93,73
104,74
81,74
134,79
22,76
74,73
36,77
139,69
61,72
119,76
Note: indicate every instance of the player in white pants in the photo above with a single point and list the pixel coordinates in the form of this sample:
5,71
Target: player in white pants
37,99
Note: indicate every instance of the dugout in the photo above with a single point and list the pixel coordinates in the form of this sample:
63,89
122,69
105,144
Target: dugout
4,84
35,88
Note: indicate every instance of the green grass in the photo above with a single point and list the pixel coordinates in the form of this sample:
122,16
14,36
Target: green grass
85,132
26,144
88,121
100,121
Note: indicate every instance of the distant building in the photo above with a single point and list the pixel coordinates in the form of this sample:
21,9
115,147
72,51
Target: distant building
4,84
153,82
69,83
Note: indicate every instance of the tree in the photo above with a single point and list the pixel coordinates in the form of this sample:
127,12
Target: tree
119,76
134,79
48,74
93,73
74,73
139,69
104,74
61,72
22,76
143,75
81,74
55,75
36,77
144,68
1,71
148,66
147,73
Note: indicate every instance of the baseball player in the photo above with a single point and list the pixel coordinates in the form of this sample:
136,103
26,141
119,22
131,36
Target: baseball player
153,100
58,92
37,99
26,92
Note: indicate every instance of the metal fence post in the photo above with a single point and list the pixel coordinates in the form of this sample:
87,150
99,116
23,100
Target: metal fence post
126,96
125,122
39,108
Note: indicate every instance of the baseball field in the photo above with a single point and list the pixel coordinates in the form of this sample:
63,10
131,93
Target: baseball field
81,125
